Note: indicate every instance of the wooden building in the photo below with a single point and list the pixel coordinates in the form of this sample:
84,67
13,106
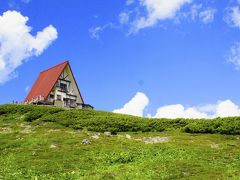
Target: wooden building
56,86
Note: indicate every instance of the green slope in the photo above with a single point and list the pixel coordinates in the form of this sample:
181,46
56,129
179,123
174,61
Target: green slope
38,142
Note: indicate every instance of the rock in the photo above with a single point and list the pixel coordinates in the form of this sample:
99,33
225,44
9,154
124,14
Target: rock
128,136
108,134
54,146
4,130
215,146
95,137
86,141
156,140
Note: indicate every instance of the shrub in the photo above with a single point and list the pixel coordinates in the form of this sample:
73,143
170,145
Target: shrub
119,157
101,121
38,112
229,125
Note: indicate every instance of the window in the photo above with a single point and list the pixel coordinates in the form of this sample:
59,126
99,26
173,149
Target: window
59,97
63,86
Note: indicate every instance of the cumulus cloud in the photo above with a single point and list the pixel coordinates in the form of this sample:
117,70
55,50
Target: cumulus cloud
227,108
234,55
179,111
139,102
207,16
232,16
135,106
222,109
17,44
157,10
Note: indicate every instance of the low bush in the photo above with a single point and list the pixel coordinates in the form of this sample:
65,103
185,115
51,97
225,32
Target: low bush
101,121
38,112
120,157
15,109
229,125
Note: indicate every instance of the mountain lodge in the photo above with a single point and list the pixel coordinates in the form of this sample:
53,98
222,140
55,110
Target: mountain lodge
56,86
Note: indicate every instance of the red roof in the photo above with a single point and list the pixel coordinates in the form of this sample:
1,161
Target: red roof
46,81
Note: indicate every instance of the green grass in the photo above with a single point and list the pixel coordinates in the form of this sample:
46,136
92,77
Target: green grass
28,132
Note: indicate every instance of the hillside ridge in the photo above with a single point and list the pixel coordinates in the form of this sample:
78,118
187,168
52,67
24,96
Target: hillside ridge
40,142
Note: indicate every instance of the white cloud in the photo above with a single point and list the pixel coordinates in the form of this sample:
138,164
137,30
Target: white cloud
135,106
139,102
16,3
148,13
227,108
204,14
222,109
178,111
194,12
208,108
207,16
129,2
157,10
234,55
123,18
17,44
96,31
233,16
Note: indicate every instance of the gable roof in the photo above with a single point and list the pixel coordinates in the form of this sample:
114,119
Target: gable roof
46,81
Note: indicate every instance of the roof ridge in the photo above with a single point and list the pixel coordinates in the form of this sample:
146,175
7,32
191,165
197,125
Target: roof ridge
54,66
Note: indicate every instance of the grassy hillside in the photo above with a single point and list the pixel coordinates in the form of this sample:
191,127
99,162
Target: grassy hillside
46,142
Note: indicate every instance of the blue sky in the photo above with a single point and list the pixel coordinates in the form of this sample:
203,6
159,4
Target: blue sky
182,53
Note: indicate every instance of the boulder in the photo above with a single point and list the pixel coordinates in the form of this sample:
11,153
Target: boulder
86,141
156,140
214,146
128,136
54,146
108,134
